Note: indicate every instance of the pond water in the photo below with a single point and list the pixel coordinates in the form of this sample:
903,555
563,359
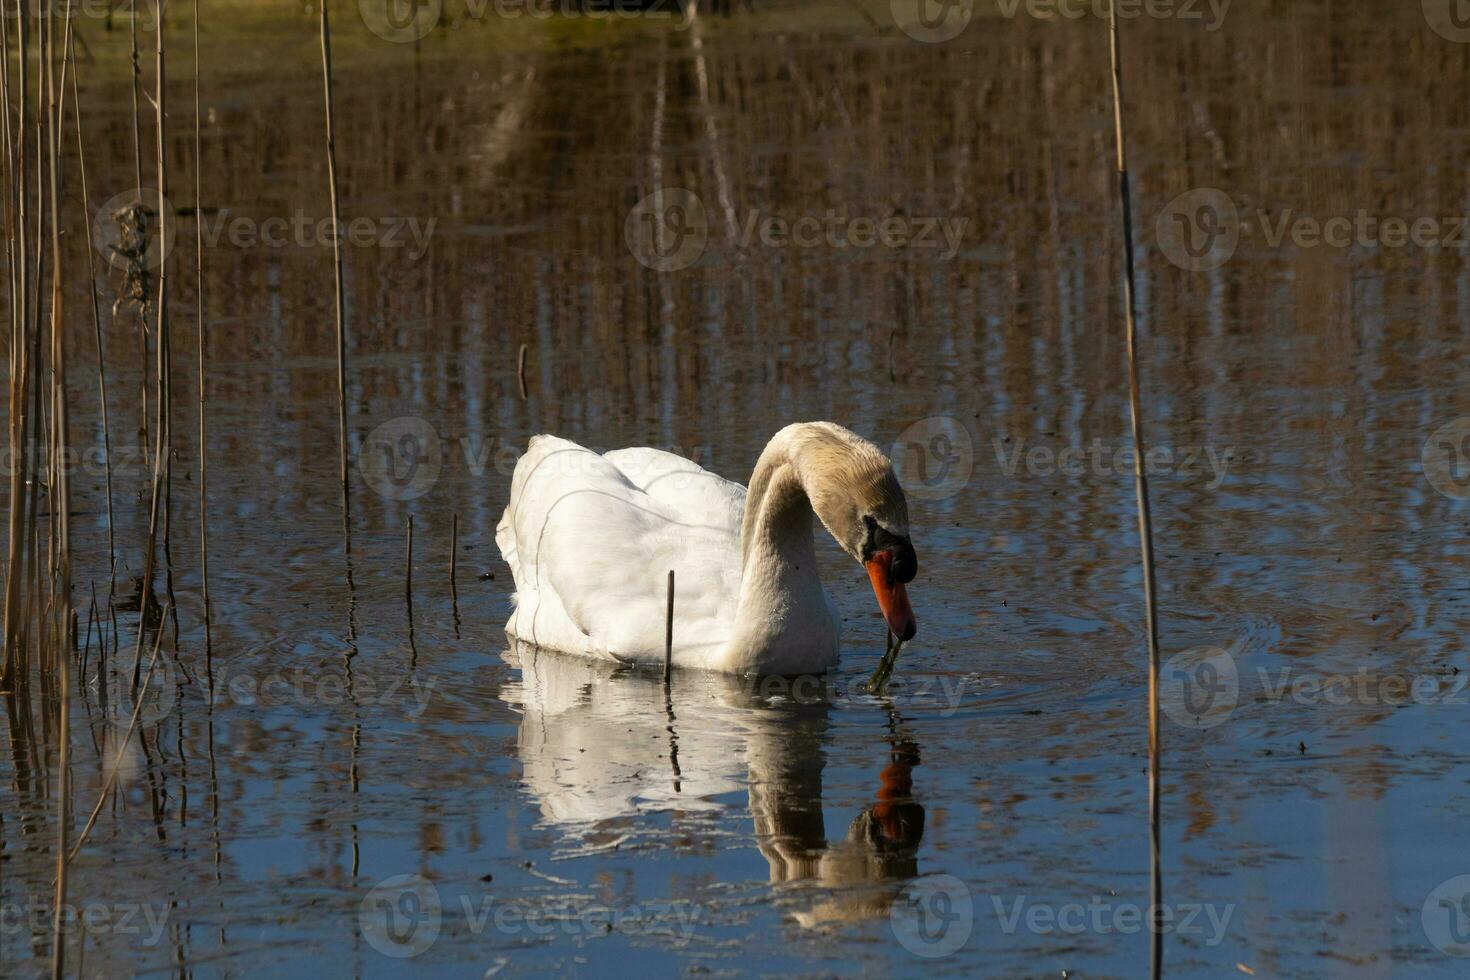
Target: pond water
349,783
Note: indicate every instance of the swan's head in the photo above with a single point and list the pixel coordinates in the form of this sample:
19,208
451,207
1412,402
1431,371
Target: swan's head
854,492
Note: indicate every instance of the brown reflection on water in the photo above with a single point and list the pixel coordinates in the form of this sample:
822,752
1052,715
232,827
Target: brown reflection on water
1320,370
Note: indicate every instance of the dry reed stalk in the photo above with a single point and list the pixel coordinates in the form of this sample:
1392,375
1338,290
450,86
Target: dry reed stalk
161,462
199,317
60,489
14,293
669,630
63,809
60,503
521,370
96,315
326,33
1145,519
13,673
453,554
137,73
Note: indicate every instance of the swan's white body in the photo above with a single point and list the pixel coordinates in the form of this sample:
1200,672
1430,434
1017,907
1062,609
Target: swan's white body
591,539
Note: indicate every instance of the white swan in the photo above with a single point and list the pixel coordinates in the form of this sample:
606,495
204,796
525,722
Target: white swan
591,538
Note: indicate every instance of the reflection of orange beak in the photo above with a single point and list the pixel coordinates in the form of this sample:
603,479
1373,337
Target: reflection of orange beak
893,598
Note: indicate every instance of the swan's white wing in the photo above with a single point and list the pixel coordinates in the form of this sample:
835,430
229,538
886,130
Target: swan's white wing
590,550
683,486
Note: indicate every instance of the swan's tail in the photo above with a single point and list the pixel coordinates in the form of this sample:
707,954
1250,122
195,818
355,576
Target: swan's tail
505,538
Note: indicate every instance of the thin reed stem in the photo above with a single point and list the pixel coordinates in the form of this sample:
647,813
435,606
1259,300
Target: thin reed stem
326,33
60,489
408,564
13,671
203,334
96,315
63,815
669,630
1145,519
136,75
161,462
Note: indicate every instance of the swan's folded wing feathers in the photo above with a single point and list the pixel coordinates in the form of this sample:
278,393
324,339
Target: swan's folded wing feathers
688,491
590,549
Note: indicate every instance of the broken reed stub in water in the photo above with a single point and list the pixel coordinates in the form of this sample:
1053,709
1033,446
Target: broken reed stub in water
453,553
521,370
669,630
408,562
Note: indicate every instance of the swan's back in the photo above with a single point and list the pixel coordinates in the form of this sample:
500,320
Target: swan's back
590,540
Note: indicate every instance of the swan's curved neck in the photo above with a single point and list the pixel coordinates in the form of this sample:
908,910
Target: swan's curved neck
783,622
778,513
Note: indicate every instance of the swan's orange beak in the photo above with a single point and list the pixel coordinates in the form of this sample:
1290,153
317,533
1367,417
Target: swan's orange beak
893,598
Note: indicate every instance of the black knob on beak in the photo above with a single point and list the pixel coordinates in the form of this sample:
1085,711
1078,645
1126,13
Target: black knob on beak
905,563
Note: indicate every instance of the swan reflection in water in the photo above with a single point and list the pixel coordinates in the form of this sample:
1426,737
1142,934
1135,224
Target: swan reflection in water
598,743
